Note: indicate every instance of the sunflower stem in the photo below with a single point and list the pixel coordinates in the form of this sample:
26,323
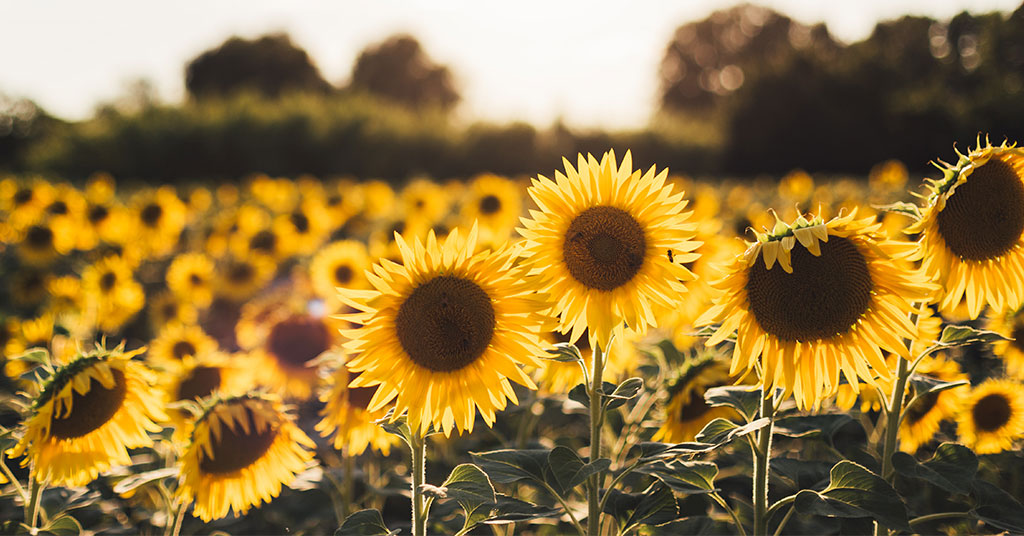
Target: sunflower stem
13,480
32,508
419,510
179,519
892,427
596,420
762,456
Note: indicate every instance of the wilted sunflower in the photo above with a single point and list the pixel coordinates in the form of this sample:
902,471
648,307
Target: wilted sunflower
992,417
340,264
813,298
190,277
1010,324
112,294
922,420
345,416
175,342
972,231
600,242
444,332
686,412
242,450
87,416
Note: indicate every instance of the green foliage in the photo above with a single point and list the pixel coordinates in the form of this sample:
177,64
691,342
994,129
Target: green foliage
855,492
952,468
364,523
684,477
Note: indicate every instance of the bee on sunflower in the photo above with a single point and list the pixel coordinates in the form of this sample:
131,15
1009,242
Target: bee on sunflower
87,415
972,230
992,417
243,449
686,412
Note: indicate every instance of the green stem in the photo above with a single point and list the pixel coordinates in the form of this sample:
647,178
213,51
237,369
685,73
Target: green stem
565,506
348,486
596,420
785,519
732,513
618,479
780,503
32,507
892,427
762,457
179,519
419,511
10,477
935,517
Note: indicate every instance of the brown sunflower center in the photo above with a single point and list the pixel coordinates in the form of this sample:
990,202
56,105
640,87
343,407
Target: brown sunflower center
922,407
300,222
264,241
241,272
39,236
195,279
200,383
298,340
693,408
984,217
823,297
359,397
446,323
237,449
992,412
490,204
1018,337
107,281
604,248
182,349
98,213
59,208
343,274
151,214
91,410
23,196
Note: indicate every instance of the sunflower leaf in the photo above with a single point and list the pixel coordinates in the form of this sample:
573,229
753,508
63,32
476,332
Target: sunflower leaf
623,392
471,488
902,207
569,470
806,426
684,477
656,505
141,479
855,492
737,397
581,392
998,508
511,465
511,510
721,431
952,468
924,385
64,525
364,523
964,335
650,451
565,352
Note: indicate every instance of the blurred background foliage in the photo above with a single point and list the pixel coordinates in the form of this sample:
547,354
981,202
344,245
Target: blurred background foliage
747,90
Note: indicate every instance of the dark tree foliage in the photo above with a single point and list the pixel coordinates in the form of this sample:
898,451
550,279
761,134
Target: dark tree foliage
398,70
22,124
270,65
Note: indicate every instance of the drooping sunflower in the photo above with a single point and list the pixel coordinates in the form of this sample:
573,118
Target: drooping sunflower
198,378
686,412
1010,324
444,332
340,264
346,418
242,450
972,230
112,294
600,242
814,298
87,416
175,342
287,353
190,277
992,417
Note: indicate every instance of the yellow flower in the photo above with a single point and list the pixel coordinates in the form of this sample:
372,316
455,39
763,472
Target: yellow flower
814,298
159,218
345,416
306,227
291,344
46,240
687,412
599,241
87,416
972,231
424,202
922,420
1010,324
340,264
190,277
241,277
164,308
196,379
242,450
992,418
112,294
496,203
444,332
178,341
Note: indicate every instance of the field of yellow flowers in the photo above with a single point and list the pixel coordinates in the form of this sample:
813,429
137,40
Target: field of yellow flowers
606,349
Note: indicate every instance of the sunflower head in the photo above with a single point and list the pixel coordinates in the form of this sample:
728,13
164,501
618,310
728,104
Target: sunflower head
686,411
346,417
992,417
598,242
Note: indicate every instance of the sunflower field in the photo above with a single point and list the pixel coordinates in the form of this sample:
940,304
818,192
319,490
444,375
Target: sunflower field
607,349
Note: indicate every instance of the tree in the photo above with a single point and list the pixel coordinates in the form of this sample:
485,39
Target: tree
400,71
23,124
270,65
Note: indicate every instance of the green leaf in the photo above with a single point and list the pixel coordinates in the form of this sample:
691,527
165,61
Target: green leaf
512,465
511,510
623,392
902,207
684,477
364,523
64,525
924,385
822,426
737,397
34,356
569,470
649,451
963,335
998,508
801,474
703,525
721,431
399,427
855,492
471,488
656,505
134,481
565,352
952,468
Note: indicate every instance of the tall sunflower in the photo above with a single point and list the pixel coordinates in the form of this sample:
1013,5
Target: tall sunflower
444,332
600,243
87,416
972,231
992,418
686,412
810,299
346,417
242,450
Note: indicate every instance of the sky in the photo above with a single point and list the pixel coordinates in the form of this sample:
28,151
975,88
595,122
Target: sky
593,64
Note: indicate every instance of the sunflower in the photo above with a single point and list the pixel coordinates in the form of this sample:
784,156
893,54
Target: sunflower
241,277
922,420
686,412
992,417
345,416
828,296
190,277
178,341
164,308
560,377
972,231
46,240
28,286
112,294
288,351
340,264
242,450
424,202
1010,324
195,379
599,243
65,295
444,332
495,202
379,199
306,227
159,219
87,416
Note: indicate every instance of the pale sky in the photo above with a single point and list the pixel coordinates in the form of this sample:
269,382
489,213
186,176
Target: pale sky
592,63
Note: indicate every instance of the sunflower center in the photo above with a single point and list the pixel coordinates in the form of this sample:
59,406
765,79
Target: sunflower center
823,297
107,281
241,273
264,241
182,349
359,397
98,213
298,340
984,218
922,407
604,248
490,204
1018,337
236,448
196,280
991,413
200,383
59,208
91,410
343,274
151,214
446,323
23,196
39,236
300,222
694,407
